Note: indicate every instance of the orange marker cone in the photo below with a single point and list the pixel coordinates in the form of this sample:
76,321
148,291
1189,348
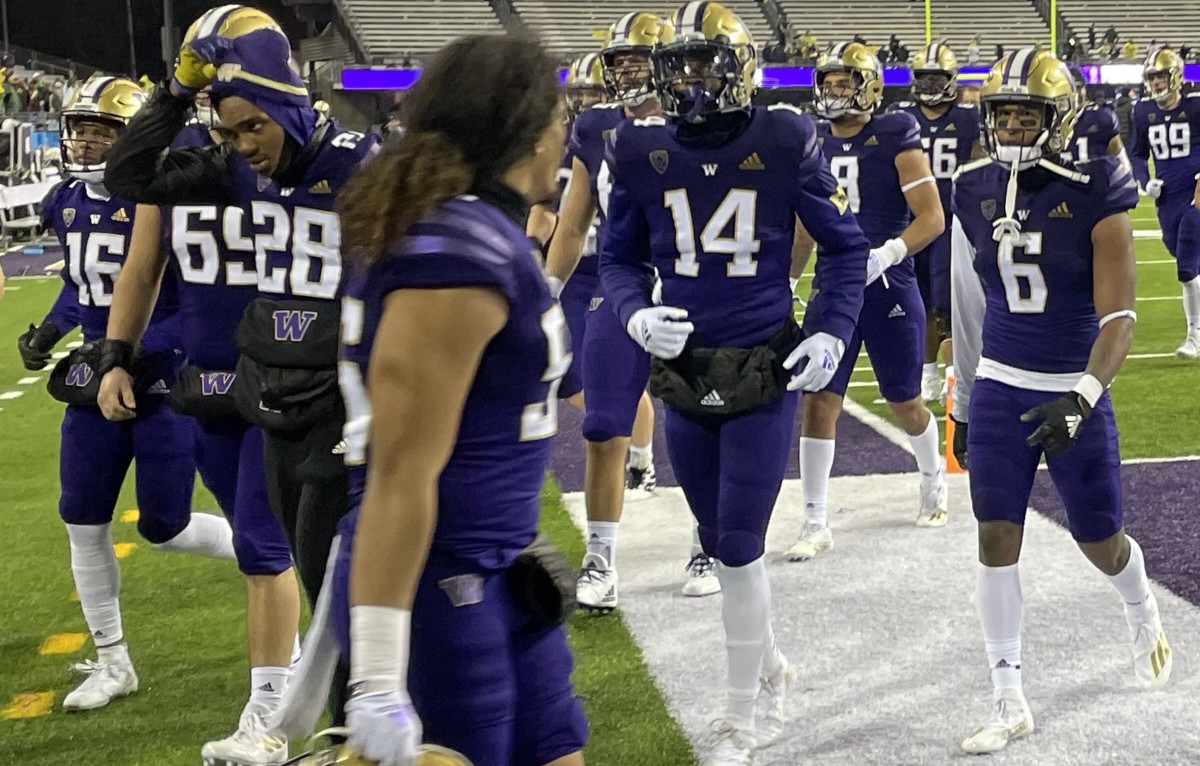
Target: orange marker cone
952,465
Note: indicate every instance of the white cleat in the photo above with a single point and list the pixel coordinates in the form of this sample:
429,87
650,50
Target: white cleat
814,540
702,577
253,744
104,683
1152,656
933,502
1190,348
1010,721
596,588
730,746
932,388
772,692
643,479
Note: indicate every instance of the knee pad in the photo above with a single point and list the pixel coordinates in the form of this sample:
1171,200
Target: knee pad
738,548
158,531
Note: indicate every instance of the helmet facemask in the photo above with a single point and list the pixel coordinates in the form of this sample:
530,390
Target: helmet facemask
697,79
933,87
88,140
627,75
580,98
834,99
1167,81
1022,130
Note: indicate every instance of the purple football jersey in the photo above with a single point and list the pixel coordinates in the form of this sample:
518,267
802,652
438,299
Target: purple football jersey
297,236
947,140
488,493
718,223
1172,138
94,232
1094,130
1039,314
592,130
865,166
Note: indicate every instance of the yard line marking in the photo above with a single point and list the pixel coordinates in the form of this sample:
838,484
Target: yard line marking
7,395
27,381
123,550
1156,262
1161,298
131,516
75,344
65,354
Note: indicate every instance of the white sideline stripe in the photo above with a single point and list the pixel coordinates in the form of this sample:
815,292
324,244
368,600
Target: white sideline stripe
11,289
1161,298
1156,262
878,424
10,395
75,344
60,354
27,381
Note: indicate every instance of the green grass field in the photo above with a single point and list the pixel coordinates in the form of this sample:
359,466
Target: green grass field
183,614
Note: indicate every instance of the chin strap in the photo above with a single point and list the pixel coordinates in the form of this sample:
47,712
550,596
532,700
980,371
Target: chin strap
1009,226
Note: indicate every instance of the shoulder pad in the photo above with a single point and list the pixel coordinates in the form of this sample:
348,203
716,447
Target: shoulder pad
786,108
1193,95
982,162
898,121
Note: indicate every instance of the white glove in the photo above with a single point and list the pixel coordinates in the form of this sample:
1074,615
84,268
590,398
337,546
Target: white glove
384,728
656,293
556,286
824,353
1154,188
884,257
661,330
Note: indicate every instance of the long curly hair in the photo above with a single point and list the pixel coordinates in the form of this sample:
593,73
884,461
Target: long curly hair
477,109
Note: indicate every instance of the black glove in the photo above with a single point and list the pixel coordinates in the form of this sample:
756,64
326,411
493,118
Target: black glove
36,343
960,443
1062,418
114,354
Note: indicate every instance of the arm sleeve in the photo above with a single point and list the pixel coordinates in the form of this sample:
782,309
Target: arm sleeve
1139,150
841,265
143,168
64,314
967,308
626,273
1121,194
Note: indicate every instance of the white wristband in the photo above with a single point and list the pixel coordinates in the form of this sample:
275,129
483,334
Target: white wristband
379,637
1090,388
1118,315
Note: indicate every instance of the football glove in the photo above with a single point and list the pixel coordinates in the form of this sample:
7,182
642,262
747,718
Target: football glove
198,60
960,443
661,330
884,257
556,286
824,353
36,343
1061,420
384,727
1154,188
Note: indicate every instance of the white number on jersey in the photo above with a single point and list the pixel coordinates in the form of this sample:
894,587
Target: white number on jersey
354,393
314,235
739,207
1081,149
604,187
1170,141
185,236
540,419
942,156
845,170
1029,298
346,140
86,269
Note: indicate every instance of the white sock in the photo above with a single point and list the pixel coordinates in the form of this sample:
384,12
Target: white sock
97,581
816,463
929,370
1000,611
117,653
697,548
297,655
925,447
602,540
205,535
793,282
267,685
746,613
1191,304
772,658
641,457
1132,582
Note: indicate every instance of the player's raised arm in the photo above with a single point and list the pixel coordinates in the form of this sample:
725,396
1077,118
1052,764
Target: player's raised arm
575,217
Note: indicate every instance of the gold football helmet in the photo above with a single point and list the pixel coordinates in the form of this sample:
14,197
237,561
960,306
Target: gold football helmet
92,123
1163,61
585,84
866,73
710,65
935,75
342,755
625,57
231,21
1030,78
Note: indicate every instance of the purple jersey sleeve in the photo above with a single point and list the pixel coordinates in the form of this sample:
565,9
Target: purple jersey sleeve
64,314
1120,193
902,128
625,270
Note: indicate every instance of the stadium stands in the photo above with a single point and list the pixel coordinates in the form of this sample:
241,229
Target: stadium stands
572,27
390,31
1011,24
1168,21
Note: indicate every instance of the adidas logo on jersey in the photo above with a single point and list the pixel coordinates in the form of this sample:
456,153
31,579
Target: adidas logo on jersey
159,387
897,311
120,216
1062,211
950,127
320,187
339,448
712,399
753,162
872,141
1093,128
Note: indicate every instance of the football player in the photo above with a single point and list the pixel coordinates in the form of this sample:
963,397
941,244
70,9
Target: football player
453,348
950,134
210,255
1166,124
709,196
95,229
1052,245
615,369
1097,130
879,161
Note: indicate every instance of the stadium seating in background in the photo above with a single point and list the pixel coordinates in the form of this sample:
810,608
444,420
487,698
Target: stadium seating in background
392,31
1176,22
